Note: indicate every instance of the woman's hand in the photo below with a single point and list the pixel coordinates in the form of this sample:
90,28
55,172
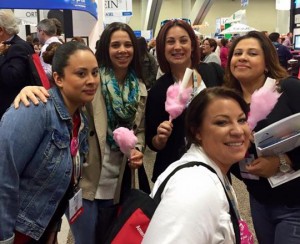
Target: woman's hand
164,131
264,166
136,159
31,93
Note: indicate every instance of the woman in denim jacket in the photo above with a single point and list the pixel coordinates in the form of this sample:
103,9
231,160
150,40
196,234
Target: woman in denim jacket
38,169
106,174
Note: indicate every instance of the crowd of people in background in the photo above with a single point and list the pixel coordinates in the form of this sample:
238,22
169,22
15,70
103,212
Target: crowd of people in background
124,83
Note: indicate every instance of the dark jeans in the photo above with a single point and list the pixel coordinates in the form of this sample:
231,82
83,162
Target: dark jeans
276,223
92,224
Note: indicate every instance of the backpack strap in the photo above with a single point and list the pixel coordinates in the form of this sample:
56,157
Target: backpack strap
234,217
157,196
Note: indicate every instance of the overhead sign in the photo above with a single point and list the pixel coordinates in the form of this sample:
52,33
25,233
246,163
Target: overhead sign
118,8
147,34
89,6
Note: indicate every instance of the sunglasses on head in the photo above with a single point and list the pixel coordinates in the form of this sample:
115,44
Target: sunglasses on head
168,20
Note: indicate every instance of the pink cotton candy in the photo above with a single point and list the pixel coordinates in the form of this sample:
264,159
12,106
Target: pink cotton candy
125,138
176,102
262,102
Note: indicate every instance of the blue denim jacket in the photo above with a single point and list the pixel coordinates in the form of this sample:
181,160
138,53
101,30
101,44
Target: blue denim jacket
35,165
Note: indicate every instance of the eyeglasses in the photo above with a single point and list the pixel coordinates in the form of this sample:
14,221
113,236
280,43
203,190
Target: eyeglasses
168,20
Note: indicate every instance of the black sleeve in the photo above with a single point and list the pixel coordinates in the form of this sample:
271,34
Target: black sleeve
211,73
155,109
291,87
15,68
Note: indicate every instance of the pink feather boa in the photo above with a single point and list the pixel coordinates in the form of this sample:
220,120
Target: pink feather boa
263,101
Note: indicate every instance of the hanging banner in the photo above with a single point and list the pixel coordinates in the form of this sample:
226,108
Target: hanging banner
118,8
89,6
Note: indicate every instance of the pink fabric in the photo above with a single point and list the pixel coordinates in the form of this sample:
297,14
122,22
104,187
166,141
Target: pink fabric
262,102
176,102
125,138
246,235
224,56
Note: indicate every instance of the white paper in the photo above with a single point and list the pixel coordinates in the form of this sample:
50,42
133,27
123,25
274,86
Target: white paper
279,137
186,77
281,178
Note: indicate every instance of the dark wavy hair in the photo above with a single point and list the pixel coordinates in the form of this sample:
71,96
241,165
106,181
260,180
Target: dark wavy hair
273,67
161,44
197,109
102,53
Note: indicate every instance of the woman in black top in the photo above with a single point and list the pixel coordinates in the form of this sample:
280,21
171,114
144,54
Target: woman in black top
275,211
177,49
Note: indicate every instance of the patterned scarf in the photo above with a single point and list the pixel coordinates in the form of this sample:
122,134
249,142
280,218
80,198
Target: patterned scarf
121,101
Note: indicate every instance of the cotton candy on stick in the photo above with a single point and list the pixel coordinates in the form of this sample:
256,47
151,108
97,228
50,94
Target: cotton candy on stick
125,139
263,101
178,95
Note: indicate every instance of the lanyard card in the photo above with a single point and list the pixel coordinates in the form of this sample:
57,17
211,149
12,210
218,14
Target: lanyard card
75,206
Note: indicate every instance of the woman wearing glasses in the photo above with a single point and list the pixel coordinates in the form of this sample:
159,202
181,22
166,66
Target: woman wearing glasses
209,47
177,49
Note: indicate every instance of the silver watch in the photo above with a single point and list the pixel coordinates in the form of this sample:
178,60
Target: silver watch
284,167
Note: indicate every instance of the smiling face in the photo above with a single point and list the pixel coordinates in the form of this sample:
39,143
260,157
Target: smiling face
120,50
248,62
224,133
178,47
79,83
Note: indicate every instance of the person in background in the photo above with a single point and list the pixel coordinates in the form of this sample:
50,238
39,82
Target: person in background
152,48
29,40
46,32
224,52
37,49
275,211
288,40
266,33
148,63
14,64
284,54
50,51
177,49
119,101
78,39
194,207
40,161
49,54
59,29
209,47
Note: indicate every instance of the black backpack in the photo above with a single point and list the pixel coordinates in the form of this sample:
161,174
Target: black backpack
138,208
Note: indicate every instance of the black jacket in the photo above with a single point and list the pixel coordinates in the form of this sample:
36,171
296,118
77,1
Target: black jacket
14,71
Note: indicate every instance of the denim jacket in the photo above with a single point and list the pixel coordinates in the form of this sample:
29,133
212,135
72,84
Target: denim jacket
35,165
